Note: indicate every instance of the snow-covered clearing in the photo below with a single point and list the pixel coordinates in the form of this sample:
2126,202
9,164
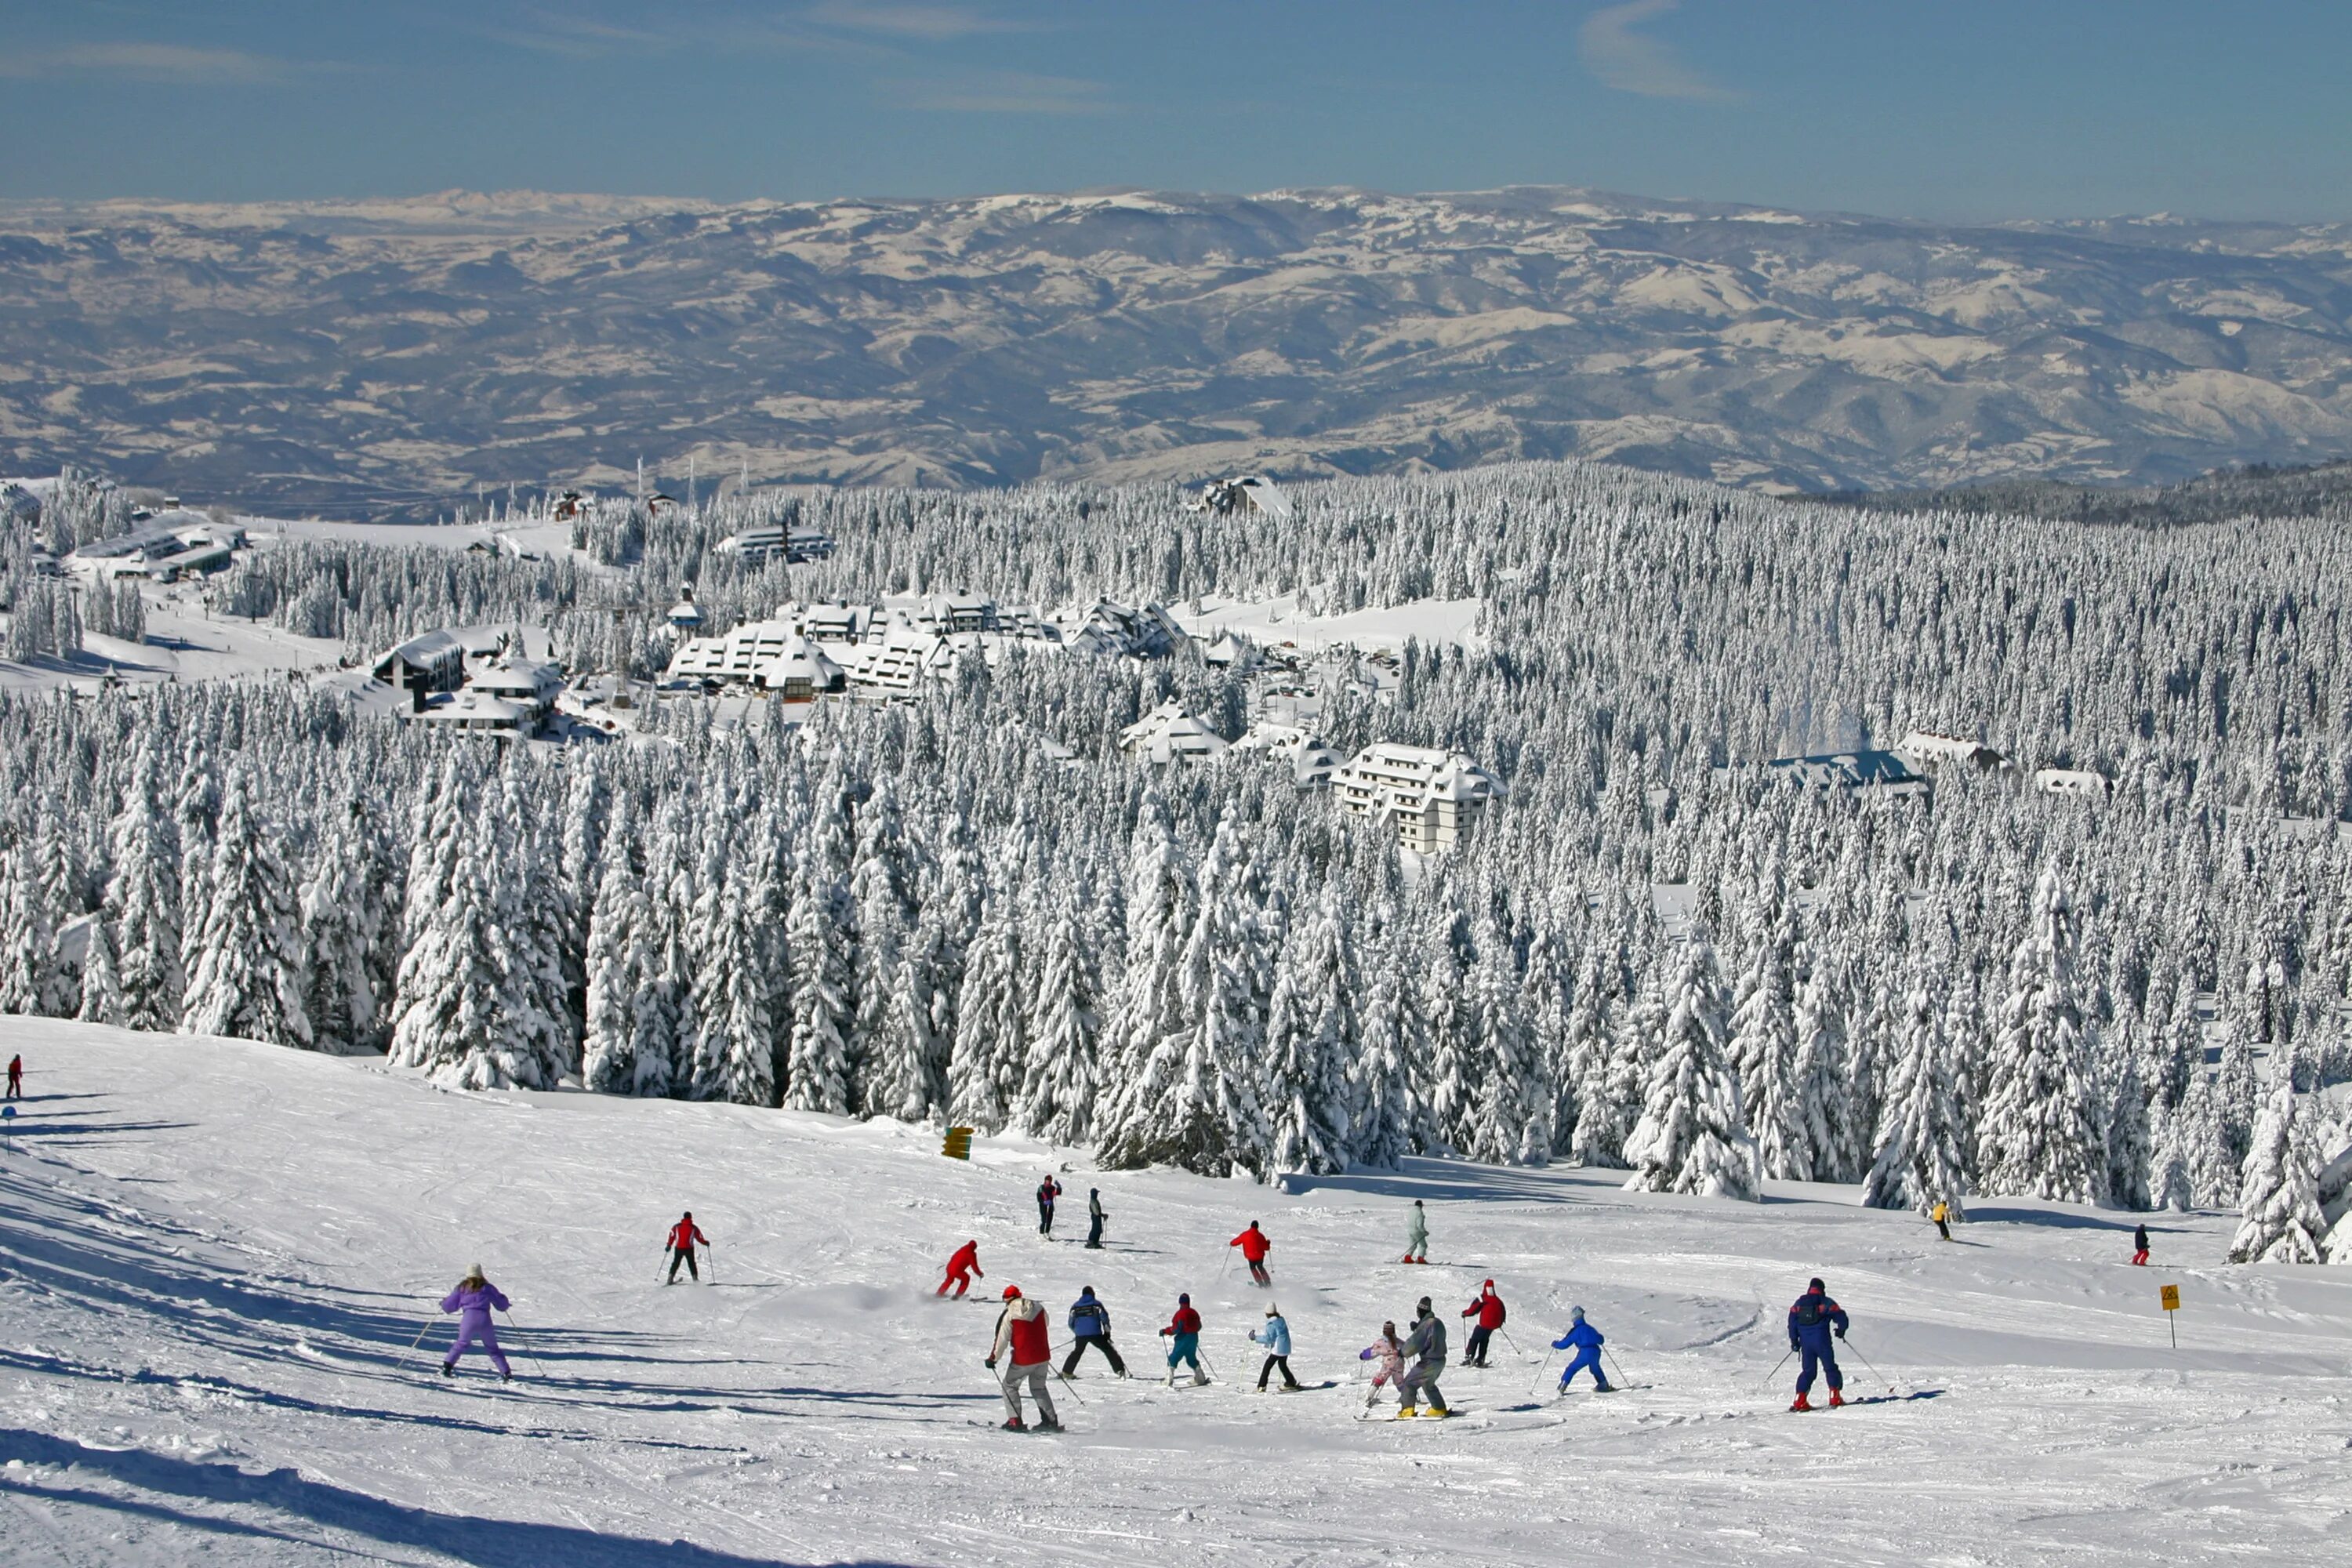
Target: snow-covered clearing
213,1255
1285,619
184,642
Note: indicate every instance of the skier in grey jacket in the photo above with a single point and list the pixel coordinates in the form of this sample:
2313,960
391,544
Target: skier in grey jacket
1426,1350
1416,1234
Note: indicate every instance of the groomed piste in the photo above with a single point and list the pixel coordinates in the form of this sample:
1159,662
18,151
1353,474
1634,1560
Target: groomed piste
215,1257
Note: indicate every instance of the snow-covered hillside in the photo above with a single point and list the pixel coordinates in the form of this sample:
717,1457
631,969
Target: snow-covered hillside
214,1255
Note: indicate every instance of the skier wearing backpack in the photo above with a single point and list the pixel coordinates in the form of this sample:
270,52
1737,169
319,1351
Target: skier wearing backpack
1812,1321
1416,1234
1183,1336
1021,1332
682,1237
1427,1349
1586,1342
1090,1325
1489,1310
961,1268
1255,1246
474,1300
1093,1219
1276,1337
1387,1357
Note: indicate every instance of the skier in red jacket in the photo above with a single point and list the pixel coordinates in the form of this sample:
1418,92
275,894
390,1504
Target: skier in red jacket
16,1077
1255,1246
1183,1336
682,1237
961,1268
1021,1332
1489,1310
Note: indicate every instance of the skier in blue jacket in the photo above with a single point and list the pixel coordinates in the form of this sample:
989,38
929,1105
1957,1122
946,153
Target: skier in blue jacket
1811,1323
1276,1338
1090,1325
1586,1342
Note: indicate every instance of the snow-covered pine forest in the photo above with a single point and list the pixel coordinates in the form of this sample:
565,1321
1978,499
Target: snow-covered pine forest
926,911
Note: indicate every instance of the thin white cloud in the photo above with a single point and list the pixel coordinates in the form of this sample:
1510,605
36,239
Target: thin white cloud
895,19
1620,56
1005,92
155,62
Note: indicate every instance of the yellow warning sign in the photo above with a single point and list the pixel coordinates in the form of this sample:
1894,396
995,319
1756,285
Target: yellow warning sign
2171,1294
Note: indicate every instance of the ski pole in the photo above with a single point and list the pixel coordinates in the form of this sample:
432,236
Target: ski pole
517,1329
1056,1368
1623,1380
419,1340
1778,1365
711,1259
1540,1370
1866,1361
1508,1340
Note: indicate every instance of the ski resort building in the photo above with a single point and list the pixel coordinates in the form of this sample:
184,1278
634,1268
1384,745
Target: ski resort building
1925,752
529,685
1432,795
165,547
2073,780
796,545
423,665
1854,770
1249,493
1167,734
1310,762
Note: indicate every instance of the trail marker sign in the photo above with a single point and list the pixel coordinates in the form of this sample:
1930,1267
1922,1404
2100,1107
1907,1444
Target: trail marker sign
2170,1296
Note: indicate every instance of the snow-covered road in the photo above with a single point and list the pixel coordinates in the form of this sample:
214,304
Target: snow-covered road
214,1255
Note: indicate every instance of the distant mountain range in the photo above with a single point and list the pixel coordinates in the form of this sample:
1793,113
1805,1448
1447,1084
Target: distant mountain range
395,354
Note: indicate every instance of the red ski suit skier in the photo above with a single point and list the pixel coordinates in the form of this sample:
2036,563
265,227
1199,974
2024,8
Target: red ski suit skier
1255,1246
961,1268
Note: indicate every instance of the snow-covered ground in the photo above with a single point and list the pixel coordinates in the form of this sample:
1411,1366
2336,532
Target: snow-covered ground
214,1255
1273,622
184,642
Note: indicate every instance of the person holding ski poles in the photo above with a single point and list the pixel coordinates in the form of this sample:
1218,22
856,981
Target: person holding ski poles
1489,1310
1255,1246
1021,1332
1183,1336
474,1299
1387,1357
1811,1323
961,1268
1048,1190
682,1237
1276,1337
1093,1219
1586,1342
1427,1349
1416,1234
1942,1214
2139,1244
1090,1325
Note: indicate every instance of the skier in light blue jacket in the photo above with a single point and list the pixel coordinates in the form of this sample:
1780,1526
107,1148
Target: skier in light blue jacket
1586,1342
1276,1337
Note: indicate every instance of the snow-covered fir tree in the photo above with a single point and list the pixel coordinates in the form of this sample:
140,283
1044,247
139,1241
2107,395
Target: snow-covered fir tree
1693,1136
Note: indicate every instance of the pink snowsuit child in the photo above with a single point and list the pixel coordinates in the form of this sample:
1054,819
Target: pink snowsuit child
1387,1357
475,1297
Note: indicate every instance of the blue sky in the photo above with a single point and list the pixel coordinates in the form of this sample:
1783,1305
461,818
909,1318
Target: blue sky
1969,109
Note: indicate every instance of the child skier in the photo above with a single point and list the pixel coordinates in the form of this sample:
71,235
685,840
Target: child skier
1489,1310
1810,1323
1276,1337
1093,1219
474,1299
1048,1190
961,1268
1387,1357
1021,1332
1427,1347
1183,1336
1090,1325
1416,1234
682,1237
1255,1246
1586,1342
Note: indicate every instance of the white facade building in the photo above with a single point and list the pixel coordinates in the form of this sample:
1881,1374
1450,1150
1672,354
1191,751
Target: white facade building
1433,795
1168,734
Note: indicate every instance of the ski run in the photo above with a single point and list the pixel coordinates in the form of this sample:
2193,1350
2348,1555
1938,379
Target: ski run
215,1255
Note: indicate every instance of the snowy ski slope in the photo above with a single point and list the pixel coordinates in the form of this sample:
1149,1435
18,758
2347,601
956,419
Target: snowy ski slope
214,1255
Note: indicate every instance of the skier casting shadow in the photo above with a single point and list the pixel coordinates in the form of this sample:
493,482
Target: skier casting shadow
474,1299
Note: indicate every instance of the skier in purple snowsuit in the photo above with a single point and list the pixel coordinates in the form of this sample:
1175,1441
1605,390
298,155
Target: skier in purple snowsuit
475,1297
